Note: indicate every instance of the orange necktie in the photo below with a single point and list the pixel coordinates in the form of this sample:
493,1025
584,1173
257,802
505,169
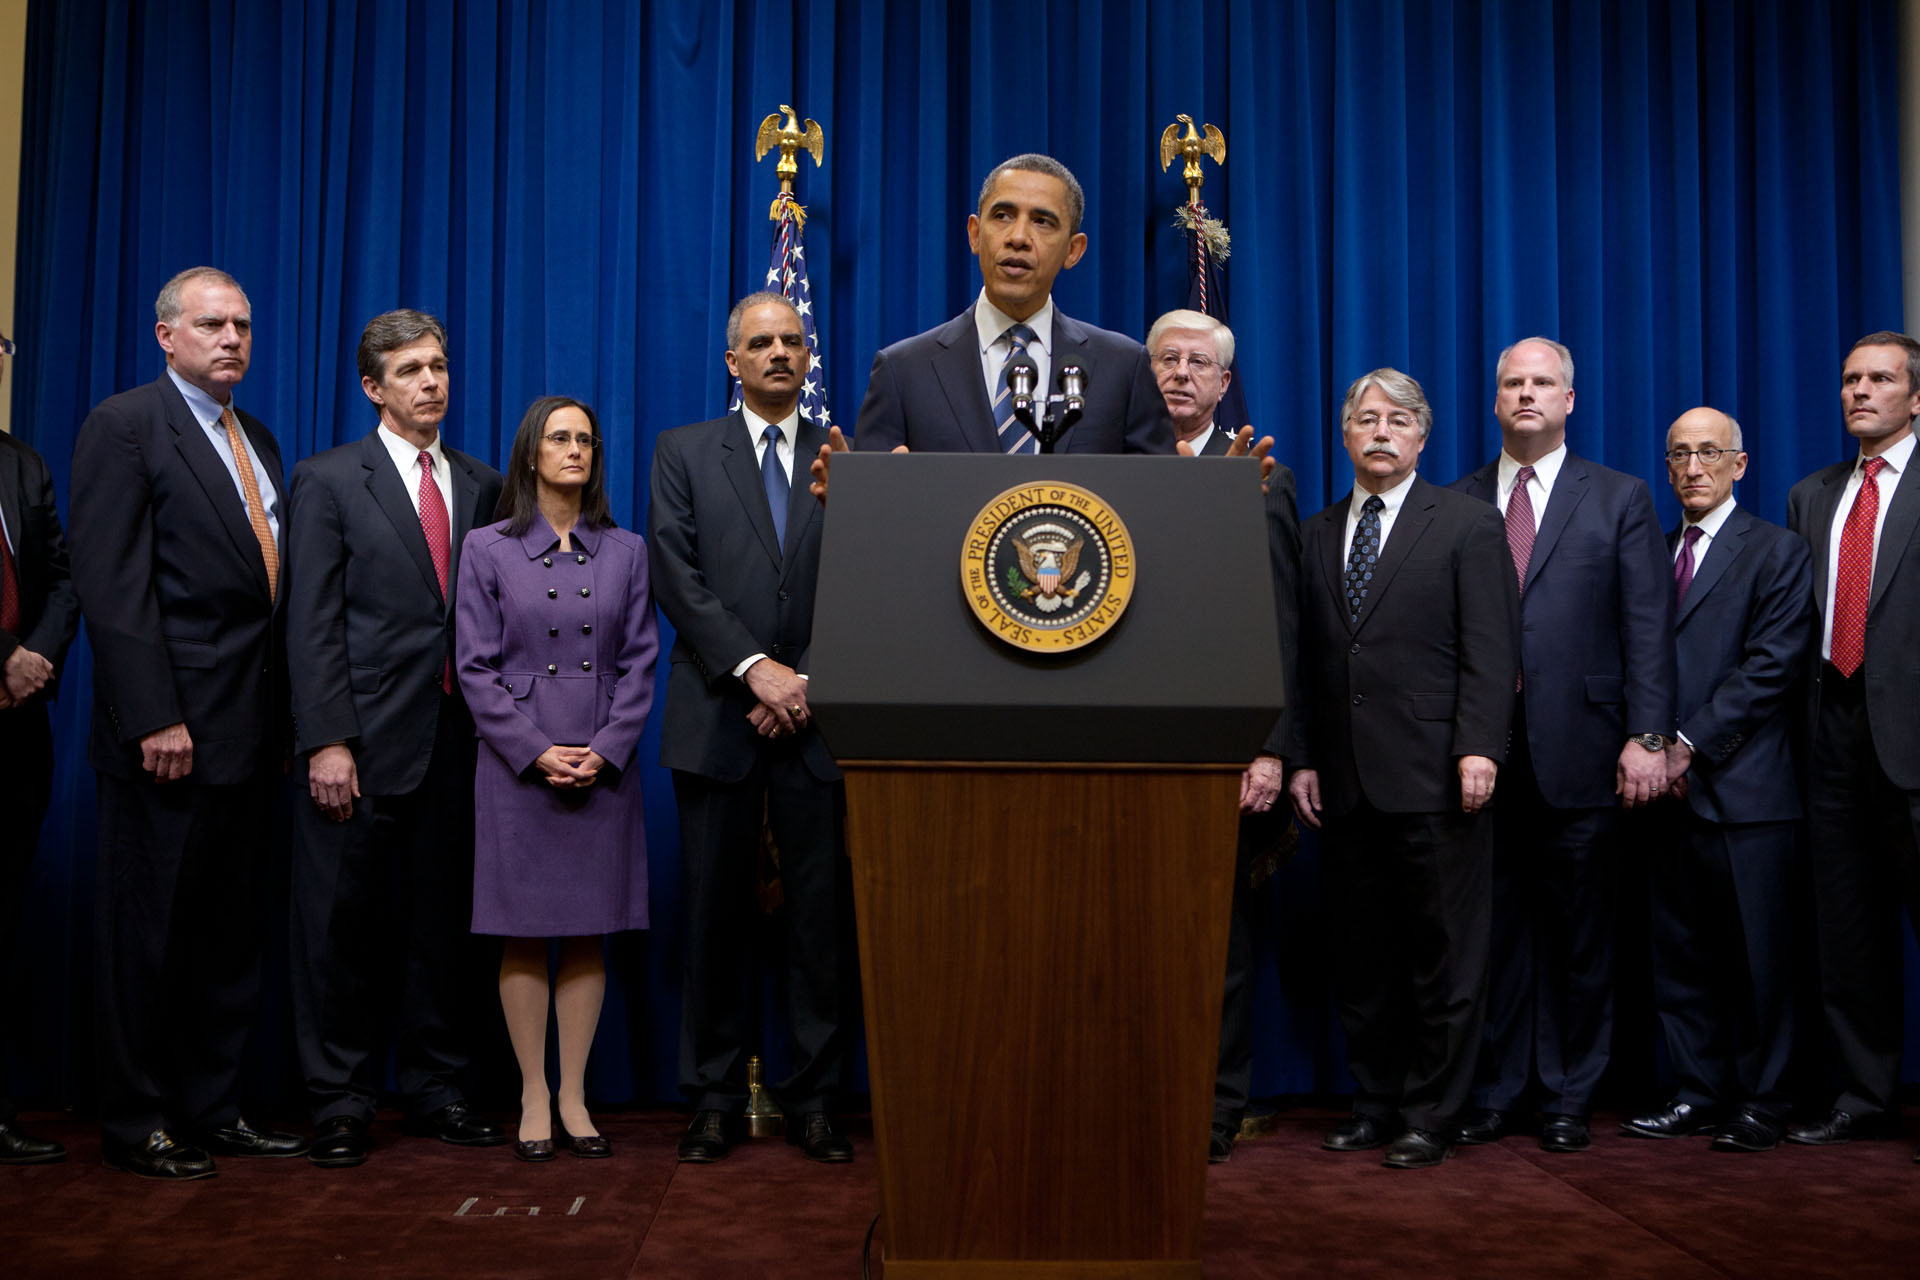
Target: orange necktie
256,509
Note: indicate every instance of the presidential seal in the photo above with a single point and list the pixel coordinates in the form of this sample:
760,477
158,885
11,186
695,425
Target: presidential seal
1047,567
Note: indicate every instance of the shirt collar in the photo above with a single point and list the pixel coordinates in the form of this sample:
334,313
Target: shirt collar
1897,457
757,425
540,539
1546,470
989,322
1200,441
206,410
404,451
1710,523
1390,501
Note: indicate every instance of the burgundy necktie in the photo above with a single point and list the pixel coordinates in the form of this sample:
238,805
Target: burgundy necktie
1684,566
9,591
433,523
1854,586
1520,524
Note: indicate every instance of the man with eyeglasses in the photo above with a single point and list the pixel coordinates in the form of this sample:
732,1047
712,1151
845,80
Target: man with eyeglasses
1592,720
38,616
1861,519
1397,729
1722,871
384,746
1192,355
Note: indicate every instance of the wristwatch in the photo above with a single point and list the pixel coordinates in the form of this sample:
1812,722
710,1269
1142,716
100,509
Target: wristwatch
1651,741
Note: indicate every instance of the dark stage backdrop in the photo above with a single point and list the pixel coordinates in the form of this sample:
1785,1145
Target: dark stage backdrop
1700,198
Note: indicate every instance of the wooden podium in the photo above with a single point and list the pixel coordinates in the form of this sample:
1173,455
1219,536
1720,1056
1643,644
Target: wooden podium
1042,850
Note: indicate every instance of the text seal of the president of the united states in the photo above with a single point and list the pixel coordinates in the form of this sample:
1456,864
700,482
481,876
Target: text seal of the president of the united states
1047,567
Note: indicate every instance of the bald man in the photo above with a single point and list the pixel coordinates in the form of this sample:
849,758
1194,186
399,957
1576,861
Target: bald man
1743,628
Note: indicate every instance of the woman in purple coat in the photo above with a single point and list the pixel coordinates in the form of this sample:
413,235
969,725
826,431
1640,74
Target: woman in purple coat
555,640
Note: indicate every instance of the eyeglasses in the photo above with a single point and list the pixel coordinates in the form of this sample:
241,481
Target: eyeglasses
1397,421
1197,364
561,439
1708,455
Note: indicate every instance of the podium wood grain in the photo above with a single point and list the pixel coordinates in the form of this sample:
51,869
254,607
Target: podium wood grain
1042,950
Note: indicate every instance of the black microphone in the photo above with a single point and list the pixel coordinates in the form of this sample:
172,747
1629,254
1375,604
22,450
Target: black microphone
1073,383
1022,376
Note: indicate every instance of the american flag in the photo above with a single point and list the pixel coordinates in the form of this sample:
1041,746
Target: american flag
787,276
1205,295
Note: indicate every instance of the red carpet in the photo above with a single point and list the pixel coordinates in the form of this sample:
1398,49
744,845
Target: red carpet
1281,1207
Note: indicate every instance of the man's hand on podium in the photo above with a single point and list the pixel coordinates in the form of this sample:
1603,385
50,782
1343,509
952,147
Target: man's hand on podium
836,443
1243,446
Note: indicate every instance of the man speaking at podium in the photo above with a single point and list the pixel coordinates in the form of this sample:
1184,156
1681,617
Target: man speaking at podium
946,390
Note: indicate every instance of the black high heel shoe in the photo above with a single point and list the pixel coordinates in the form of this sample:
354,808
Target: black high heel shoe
533,1152
595,1147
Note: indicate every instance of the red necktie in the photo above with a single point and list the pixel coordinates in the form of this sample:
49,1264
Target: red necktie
1520,530
9,591
433,523
1854,586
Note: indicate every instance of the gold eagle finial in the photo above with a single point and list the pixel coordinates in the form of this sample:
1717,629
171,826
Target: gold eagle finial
1193,145
791,139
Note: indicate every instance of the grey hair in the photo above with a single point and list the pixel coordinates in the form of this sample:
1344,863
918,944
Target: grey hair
388,332
1733,428
166,307
740,308
1199,321
1888,338
1034,162
1399,388
1566,359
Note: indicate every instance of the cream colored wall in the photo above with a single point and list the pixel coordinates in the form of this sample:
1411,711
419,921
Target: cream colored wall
13,76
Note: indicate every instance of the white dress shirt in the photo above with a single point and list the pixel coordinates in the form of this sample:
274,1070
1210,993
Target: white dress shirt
991,324
406,458
1392,500
1540,488
1898,457
206,412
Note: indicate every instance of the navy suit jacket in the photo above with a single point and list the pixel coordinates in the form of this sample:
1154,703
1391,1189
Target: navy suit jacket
183,624
369,633
1596,628
1741,638
926,392
720,578
1387,704
1893,611
49,610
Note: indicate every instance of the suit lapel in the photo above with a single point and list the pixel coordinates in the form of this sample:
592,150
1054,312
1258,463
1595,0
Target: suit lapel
1333,556
1484,484
1896,534
390,495
1819,531
1416,513
1721,553
736,460
802,508
12,493
957,366
1568,491
191,442
464,513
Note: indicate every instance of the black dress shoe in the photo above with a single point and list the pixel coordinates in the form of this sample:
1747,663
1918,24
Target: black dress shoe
533,1152
1220,1144
1563,1134
340,1143
17,1146
1748,1130
594,1147
1359,1133
710,1137
1840,1127
457,1124
1482,1127
1417,1149
814,1134
159,1156
1676,1120
242,1139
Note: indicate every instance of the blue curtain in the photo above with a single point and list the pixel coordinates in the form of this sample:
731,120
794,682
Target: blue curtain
1700,198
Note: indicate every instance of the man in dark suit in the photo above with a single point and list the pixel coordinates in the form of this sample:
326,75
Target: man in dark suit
383,856
1861,518
1192,356
176,536
1409,639
946,389
38,616
1590,732
1723,861
735,547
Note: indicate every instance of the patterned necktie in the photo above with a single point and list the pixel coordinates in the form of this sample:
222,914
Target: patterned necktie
433,523
1363,555
9,592
1014,436
1684,566
256,509
1520,531
775,481
1854,586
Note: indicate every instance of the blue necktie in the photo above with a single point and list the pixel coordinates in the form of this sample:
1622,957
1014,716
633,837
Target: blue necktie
1364,554
775,481
1014,436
